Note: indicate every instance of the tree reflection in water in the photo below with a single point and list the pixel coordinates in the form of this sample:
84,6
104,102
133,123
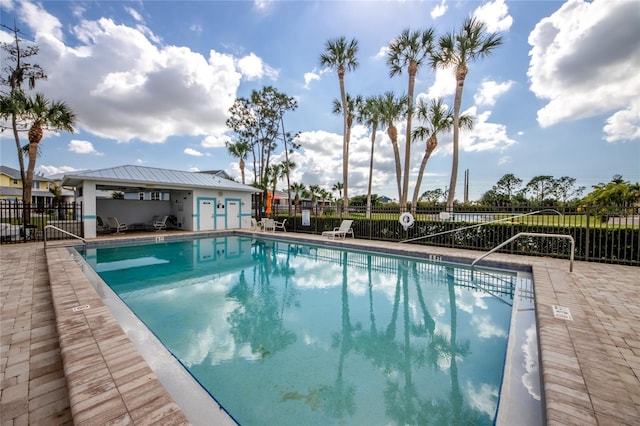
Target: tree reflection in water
298,356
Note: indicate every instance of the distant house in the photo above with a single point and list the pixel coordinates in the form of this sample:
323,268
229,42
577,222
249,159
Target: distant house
195,201
11,187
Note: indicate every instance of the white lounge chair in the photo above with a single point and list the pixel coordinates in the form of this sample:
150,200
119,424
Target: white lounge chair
116,226
340,232
160,222
101,227
255,225
268,225
280,225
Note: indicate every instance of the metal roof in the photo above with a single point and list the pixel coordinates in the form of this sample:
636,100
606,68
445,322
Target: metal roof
150,177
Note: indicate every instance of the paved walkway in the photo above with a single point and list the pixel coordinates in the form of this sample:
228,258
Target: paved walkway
590,365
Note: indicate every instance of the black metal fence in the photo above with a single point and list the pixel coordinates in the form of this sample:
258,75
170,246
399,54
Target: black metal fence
608,239
22,222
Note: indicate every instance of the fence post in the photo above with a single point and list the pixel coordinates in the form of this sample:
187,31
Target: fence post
586,238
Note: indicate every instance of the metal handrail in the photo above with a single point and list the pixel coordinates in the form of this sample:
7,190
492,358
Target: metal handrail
480,224
64,232
531,234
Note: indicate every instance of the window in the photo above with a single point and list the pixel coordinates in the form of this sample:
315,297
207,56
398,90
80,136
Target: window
140,195
15,181
155,196
35,185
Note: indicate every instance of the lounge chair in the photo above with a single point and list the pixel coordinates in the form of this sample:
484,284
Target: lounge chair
116,226
159,223
255,226
340,232
101,227
280,225
268,225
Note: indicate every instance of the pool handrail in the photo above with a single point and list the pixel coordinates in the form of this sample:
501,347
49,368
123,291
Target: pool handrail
64,232
531,234
478,225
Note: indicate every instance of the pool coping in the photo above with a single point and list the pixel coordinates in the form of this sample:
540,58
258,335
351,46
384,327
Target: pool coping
590,365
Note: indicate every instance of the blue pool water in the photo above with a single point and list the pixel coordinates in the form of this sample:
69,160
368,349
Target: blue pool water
288,334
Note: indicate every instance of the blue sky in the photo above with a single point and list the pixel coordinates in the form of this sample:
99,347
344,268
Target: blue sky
152,82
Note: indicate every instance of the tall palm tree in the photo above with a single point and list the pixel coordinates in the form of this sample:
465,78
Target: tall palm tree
437,118
240,150
409,51
43,114
392,109
351,111
297,188
277,171
338,186
370,114
315,191
340,55
458,50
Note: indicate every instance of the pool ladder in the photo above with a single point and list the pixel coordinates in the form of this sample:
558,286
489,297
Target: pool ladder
531,234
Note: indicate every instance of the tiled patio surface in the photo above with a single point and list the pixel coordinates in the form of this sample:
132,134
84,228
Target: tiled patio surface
64,367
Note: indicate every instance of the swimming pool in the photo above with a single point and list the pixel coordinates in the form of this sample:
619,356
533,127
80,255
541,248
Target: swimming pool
286,333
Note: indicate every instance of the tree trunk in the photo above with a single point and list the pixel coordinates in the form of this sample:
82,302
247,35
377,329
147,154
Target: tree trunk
407,149
431,145
393,135
345,142
456,135
373,141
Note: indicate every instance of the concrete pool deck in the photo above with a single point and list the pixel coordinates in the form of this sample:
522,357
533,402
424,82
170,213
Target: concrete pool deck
59,366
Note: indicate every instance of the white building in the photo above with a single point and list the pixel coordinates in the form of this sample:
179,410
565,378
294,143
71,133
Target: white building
194,201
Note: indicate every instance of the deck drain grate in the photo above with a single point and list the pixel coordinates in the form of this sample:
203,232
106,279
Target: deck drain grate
562,312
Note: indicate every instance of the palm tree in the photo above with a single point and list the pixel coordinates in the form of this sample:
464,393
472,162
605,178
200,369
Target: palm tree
409,51
437,118
43,114
315,191
458,50
393,109
370,114
338,187
351,111
240,150
341,56
297,188
276,172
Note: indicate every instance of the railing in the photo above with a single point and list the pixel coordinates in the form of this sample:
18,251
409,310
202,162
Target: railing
481,224
33,217
64,232
531,234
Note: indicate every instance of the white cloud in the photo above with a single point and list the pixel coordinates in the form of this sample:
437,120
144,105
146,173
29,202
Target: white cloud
253,68
489,91
82,147
134,14
382,53
309,77
484,136
215,141
193,152
123,86
55,170
439,9
584,62
39,20
624,124
495,15
444,84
